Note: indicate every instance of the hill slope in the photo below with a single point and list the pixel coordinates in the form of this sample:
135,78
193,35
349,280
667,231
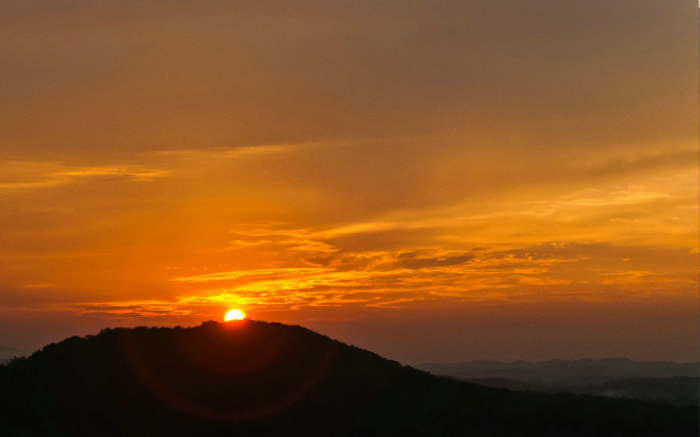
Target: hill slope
256,379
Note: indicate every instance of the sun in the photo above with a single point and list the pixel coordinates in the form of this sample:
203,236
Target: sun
234,315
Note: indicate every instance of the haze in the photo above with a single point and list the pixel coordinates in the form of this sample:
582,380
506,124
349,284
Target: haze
430,180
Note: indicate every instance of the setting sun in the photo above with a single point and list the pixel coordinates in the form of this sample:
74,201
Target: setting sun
234,315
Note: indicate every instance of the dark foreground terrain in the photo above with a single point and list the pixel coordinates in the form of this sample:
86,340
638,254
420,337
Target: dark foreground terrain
267,379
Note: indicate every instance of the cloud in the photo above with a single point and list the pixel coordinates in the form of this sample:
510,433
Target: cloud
21,175
596,272
218,154
148,308
423,259
379,279
261,274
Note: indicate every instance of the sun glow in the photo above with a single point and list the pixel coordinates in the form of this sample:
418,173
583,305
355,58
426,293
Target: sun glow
234,315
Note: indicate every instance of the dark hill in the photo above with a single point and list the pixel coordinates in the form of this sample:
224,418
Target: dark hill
267,379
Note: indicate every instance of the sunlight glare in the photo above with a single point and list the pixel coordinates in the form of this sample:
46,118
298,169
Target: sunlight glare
234,315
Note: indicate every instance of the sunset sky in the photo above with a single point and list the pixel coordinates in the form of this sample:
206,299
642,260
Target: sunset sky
434,180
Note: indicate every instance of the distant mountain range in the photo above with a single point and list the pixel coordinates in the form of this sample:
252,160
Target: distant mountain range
657,381
577,372
254,378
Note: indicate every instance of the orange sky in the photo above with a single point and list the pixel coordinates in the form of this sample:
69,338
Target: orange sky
433,180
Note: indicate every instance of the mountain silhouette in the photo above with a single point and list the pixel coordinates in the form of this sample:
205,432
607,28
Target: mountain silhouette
575,372
656,381
252,378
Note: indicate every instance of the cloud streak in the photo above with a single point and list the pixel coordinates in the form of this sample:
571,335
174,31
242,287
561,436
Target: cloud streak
23,175
441,277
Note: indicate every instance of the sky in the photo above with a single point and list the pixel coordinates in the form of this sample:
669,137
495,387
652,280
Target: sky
433,180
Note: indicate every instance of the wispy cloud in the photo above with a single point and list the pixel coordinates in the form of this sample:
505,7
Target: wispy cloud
261,273
226,153
146,308
376,279
20,175
433,277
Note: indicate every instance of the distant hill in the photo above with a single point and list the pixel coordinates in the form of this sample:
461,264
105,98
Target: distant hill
7,353
679,390
254,378
657,381
576,372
